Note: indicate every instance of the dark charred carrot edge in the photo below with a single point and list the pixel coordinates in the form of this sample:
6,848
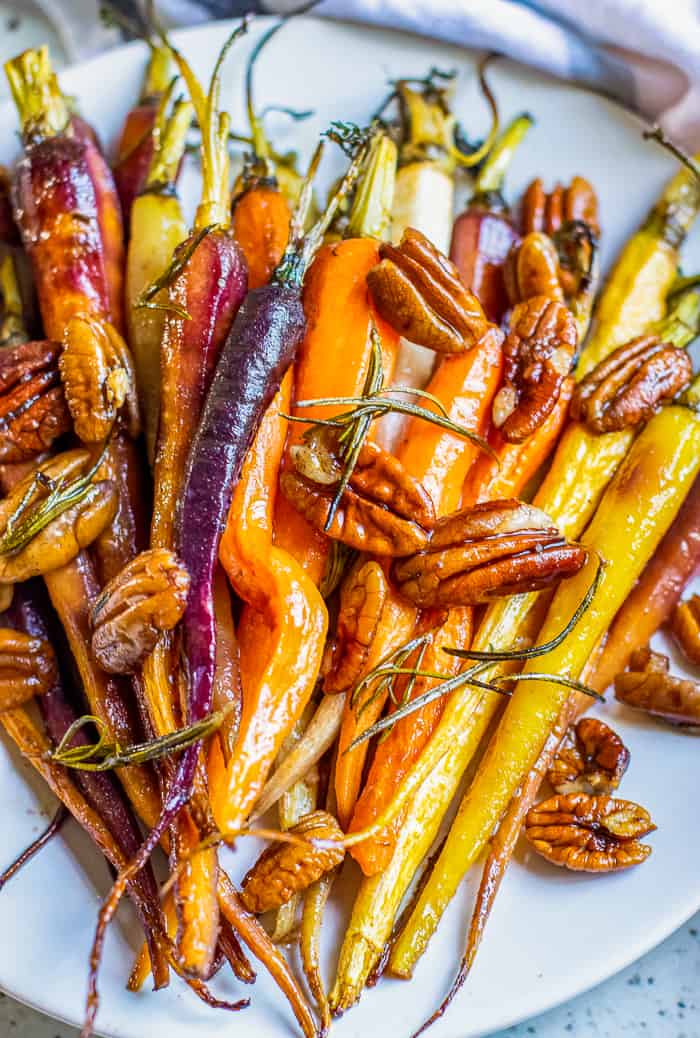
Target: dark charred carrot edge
484,233
135,148
30,612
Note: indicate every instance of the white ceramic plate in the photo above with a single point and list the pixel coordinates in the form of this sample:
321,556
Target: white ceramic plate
552,934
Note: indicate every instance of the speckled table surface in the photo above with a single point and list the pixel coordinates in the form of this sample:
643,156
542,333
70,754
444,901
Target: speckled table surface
659,996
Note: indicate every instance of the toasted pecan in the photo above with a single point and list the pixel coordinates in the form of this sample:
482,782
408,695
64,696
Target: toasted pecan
33,411
417,289
491,550
538,353
532,269
27,668
592,758
685,628
631,384
589,833
363,596
148,596
550,211
284,869
99,378
648,685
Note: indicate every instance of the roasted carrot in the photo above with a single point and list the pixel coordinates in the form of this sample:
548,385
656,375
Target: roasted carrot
515,464
395,754
396,625
135,147
651,601
261,212
158,227
465,385
61,188
334,356
483,234
269,580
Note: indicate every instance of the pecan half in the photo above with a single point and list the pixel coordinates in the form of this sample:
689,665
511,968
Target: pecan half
532,269
592,758
538,353
589,833
383,510
417,289
284,869
27,668
363,595
685,627
33,411
64,535
147,597
98,378
489,551
649,686
548,212
630,385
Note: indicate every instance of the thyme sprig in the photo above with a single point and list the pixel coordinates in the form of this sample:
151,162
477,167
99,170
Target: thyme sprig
31,516
181,257
105,755
392,666
376,400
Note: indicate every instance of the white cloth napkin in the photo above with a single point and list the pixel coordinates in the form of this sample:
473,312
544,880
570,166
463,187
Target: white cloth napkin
643,53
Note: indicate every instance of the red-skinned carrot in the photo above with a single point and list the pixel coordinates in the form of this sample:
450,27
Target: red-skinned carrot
60,185
30,613
483,234
652,600
135,147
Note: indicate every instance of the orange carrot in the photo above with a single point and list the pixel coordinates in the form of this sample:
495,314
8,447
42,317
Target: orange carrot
282,629
395,628
465,385
260,223
505,476
332,361
395,754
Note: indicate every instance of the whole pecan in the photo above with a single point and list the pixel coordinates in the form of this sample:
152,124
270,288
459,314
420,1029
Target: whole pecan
685,627
284,869
630,385
33,411
363,595
492,550
27,668
532,269
589,833
592,758
549,212
98,378
63,534
147,597
383,510
417,289
538,353
649,686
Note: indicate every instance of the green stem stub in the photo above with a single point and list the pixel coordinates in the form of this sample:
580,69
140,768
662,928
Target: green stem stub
169,139
12,327
489,182
42,108
158,74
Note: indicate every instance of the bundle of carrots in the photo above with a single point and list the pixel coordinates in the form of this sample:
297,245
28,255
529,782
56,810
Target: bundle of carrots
322,511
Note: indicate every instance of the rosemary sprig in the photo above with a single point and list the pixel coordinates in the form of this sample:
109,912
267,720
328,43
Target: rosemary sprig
495,656
104,755
30,518
340,558
388,669
376,400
